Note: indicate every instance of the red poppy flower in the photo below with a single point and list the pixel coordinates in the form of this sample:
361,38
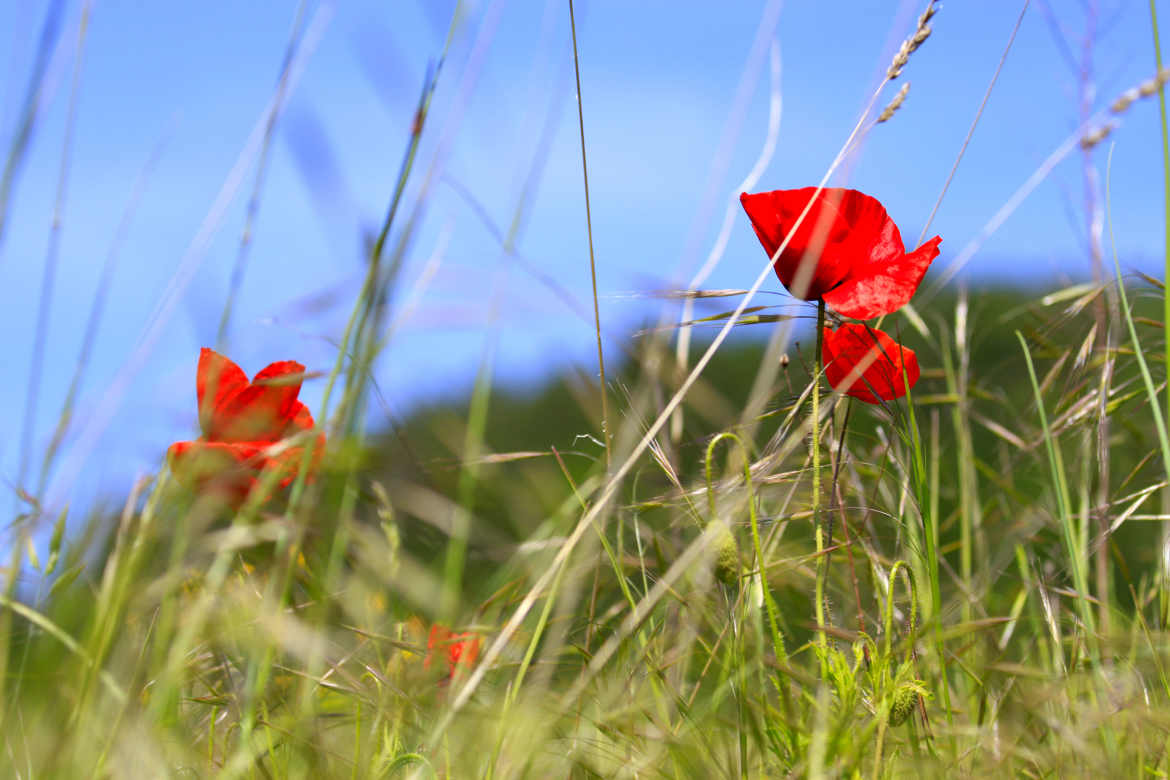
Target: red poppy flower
851,250
461,649
867,364
245,425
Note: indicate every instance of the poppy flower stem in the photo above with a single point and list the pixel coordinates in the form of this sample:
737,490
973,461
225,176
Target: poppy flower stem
822,637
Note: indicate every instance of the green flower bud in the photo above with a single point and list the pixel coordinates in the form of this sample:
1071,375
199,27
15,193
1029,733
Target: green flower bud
727,564
905,698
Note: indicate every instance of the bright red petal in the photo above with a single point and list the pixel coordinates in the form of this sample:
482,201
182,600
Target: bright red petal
211,457
867,364
884,285
287,462
262,411
464,649
216,380
300,419
873,235
219,468
438,637
822,240
303,421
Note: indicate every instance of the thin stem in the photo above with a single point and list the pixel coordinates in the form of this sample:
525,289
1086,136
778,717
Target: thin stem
30,110
838,504
1165,603
822,563
1165,179
52,260
974,123
589,231
96,311
253,209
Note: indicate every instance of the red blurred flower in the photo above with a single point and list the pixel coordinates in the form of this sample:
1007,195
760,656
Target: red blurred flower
867,364
461,649
244,426
851,250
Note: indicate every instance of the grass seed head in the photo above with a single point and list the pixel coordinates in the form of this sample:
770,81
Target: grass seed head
895,104
911,44
1146,89
1097,135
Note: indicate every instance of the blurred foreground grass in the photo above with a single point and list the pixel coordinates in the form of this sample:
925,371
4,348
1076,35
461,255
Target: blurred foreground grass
178,640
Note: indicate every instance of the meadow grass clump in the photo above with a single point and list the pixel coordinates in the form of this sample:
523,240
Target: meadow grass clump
296,643
935,548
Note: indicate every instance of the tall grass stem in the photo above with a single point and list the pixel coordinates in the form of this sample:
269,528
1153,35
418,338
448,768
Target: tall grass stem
608,438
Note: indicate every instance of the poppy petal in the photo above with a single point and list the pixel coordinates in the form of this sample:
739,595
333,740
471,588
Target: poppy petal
882,286
463,649
867,364
227,470
824,238
874,235
300,418
460,649
263,410
216,380
287,462
437,638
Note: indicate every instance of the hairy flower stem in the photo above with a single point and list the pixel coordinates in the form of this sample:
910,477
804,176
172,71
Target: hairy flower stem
822,637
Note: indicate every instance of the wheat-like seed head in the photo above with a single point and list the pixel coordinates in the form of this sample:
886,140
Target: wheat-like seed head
911,44
894,104
1124,101
1144,90
1097,135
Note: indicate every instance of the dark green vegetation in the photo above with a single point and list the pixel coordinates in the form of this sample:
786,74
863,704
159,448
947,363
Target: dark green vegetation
524,426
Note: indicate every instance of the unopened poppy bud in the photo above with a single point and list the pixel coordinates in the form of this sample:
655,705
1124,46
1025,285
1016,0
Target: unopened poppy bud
905,697
727,564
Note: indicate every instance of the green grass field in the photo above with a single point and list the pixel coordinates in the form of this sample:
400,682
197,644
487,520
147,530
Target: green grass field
680,573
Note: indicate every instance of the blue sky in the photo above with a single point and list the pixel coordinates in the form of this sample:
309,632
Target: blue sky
186,84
